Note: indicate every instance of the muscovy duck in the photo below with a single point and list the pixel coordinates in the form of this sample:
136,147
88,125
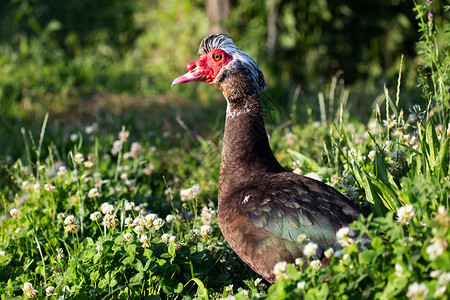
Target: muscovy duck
263,208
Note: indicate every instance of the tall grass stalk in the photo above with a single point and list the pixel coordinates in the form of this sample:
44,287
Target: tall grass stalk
38,245
79,191
27,147
38,151
323,114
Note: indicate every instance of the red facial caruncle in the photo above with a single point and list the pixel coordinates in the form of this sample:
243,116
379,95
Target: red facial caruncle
205,68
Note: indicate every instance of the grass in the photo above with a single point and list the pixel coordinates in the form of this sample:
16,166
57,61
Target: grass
120,201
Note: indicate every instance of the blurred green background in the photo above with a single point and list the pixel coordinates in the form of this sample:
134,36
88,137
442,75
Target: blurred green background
112,61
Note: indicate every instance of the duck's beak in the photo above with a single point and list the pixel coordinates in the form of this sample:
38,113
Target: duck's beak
188,77
197,71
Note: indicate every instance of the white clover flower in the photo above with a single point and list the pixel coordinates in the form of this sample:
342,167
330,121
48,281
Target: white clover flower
148,220
329,253
29,291
96,216
71,223
390,122
90,128
158,223
440,292
343,236
442,210
143,238
444,278
107,209
316,264
301,285
185,194
280,270
149,169
190,193
127,237
244,292
168,191
25,184
405,214
437,248
14,213
123,135
258,281
49,187
417,291
371,155
139,220
99,250
194,232
207,215
310,249
27,286
229,288
117,147
165,237
170,218
93,193
2,253
50,291
129,222
110,221
301,237
299,261
173,240
205,230
135,150
103,207
37,187
129,205
398,270
59,253
435,273
138,230
78,158
343,233
88,164
442,217
151,217
74,137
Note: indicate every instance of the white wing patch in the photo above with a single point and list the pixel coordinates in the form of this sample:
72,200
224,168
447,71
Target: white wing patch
246,198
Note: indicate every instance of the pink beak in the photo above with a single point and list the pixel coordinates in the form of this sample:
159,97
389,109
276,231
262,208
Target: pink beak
188,77
196,72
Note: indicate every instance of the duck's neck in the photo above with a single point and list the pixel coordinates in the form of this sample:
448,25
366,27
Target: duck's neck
246,153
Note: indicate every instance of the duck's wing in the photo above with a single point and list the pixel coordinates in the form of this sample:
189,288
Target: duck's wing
290,205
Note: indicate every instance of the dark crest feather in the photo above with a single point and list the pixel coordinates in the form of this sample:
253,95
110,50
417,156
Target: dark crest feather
212,42
241,60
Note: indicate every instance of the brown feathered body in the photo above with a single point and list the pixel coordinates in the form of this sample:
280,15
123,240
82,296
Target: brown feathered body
262,207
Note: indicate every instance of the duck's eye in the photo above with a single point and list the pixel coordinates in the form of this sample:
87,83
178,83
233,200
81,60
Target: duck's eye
217,56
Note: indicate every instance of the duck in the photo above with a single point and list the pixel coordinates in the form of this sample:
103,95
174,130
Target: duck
263,208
